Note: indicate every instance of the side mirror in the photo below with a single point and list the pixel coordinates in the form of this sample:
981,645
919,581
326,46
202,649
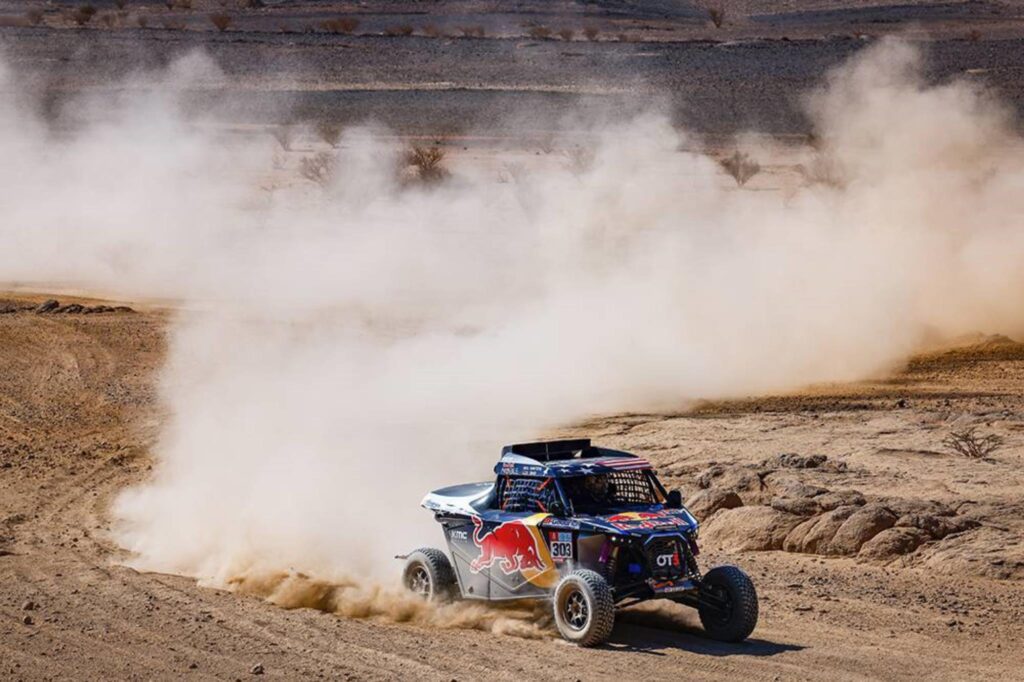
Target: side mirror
556,509
675,500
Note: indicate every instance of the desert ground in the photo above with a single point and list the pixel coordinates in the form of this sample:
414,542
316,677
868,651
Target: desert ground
79,417
878,550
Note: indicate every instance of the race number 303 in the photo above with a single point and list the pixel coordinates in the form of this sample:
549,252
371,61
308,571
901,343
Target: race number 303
561,546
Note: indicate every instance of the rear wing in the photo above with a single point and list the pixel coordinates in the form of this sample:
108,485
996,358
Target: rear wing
548,451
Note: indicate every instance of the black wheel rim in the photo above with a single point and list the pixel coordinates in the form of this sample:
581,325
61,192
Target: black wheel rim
720,602
419,581
575,610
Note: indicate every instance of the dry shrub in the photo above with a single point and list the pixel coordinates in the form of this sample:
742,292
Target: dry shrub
34,16
403,30
83,15
173,25
622,38
221,21
974,35
329,132
179,4
432,31
283,135
590,33
254,4
428,163
340,25
120,4
969,444
142,20
717,16
472,31
318,168
109,20
539,32
566,34
741,167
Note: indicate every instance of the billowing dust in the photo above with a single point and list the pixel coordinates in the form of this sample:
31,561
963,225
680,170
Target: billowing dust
340,350
363,599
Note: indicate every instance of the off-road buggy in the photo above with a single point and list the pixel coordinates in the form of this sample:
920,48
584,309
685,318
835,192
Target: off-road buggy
589,529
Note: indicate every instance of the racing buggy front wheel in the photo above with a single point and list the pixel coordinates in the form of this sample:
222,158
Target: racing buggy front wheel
429,574
728,604
584,608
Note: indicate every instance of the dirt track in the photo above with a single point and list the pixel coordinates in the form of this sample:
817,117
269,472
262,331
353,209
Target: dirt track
78,415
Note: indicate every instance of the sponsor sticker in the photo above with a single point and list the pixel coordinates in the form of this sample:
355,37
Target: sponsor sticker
561,545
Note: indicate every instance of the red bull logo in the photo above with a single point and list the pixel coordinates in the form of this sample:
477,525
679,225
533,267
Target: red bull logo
640,520
513,546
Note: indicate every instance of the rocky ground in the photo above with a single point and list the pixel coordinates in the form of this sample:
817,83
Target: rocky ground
878,551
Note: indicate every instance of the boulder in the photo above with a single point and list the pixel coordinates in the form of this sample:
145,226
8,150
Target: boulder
704,503
47,306
814,535
801,506
893,542
864,524
791,460
937,527
839,498
739,479
755,528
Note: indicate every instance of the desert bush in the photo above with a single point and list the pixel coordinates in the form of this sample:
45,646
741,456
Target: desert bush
142,21
34,16
329,132
432,31
83,15
974,35
173,25
254,4
317,168
741,167
340,25
120,4
622,37
590,33
472,31
109,20
969,444
539,32
178,4
717,16
221,21
428,163
403,30
566,34
283,135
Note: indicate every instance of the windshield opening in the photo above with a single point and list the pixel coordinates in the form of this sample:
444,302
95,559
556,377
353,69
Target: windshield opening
600,493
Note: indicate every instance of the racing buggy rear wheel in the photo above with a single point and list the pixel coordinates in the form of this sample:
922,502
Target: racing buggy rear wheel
728,604
429,574
584,608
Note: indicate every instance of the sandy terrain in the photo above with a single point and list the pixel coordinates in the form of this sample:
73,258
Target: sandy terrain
78,416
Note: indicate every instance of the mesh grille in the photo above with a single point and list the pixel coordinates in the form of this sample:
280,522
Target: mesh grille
669,557
521,494
631,487
624,488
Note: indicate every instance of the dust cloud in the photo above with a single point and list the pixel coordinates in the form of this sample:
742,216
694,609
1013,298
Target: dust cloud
341,350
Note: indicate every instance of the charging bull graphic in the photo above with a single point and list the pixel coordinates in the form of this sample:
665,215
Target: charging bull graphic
512,545
516,548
